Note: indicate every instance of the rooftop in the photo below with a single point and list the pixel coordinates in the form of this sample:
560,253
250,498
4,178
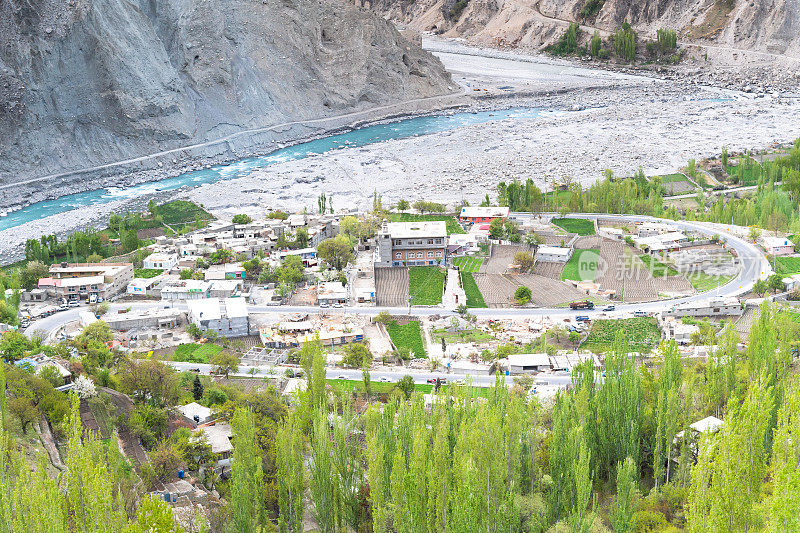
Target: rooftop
409,230
483,212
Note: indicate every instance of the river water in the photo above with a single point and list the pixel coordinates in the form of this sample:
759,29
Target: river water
359,137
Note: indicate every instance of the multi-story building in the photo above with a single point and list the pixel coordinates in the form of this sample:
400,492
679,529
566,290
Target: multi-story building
75,281
228,317
411,244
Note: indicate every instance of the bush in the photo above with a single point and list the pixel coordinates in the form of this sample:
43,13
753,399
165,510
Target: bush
148,423
591,8
524,260
523,295
241,219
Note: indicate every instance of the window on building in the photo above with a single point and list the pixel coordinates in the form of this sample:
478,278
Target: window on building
419,254
430,254
438,241
398,255
438,254
430,241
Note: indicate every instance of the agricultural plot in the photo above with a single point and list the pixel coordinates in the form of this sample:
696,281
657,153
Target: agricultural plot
656,267
474,296
547,292
502,257
676,184
497,290
408,336
391,287
588,242
582,266
673,285
376,387
179,212
638,284
581,226
612,261
452,224
703,282
425,285
787,265
195,353
468,263
549,270
642,334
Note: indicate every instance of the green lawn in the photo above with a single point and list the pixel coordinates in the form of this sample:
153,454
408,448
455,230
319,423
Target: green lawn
673,178
469,263
474,296
408,336
425,285
582,266
452,224
469,335
378,387
146,272
641,333
180,212
703,282
787,265
195,353
656,267
581,226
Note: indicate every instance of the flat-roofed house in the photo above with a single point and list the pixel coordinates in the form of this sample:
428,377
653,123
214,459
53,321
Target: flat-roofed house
411,244
75,281
481,215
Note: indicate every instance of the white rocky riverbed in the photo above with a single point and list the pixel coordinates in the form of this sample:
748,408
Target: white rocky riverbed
600,120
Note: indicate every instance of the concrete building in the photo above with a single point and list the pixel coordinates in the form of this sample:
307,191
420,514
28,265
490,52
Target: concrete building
526,363
225,271
219,437
160,261
468,368
154,318
196,414
75,281
676,330
480,215
553,254
411,244
229,317
717,306
331,292
186,289
777,245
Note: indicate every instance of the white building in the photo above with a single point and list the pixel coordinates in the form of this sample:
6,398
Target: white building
186,289
196,414
331,292
229,317
717,306
553,254
478,214
676,330
160,261
525,363
777,245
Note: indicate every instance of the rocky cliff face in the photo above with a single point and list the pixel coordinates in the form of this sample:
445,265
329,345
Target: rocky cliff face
762,25
86,82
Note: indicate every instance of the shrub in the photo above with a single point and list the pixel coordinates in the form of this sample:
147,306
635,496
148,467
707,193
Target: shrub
241,219
523,295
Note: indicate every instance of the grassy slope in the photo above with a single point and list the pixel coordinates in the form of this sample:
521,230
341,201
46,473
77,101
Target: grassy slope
581,226
468,263
657,268
703,282
572,269
408,336
641,333
474,296
787,265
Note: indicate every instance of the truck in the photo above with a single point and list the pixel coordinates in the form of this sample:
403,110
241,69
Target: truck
586,304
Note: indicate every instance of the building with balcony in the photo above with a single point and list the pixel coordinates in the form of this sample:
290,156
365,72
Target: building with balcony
75,281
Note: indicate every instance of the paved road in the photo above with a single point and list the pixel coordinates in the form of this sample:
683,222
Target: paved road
754,266
389,376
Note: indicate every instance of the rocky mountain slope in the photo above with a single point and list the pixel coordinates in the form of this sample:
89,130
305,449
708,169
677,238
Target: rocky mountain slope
86,82
771,26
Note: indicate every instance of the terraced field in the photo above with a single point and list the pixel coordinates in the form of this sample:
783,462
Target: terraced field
581,226
497,290
470,263
502,257
549,270
547,292
588,242
391,286
672,285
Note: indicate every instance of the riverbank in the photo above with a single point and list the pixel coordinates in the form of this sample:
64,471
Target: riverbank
596,120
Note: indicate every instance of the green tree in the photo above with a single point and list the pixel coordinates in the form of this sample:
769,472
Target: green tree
130,242
154,516
241,219
595,45
291,475
225,363
624,505
356,355
523,295
336,252
197,388
406,386
248,514
403,205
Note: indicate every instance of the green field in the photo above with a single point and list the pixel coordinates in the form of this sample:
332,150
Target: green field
180,212
582,266
468,263
581,226
452,224
750,173
425,285
408,336
146,272
656,267
787,265
378,387
195,353
703,282
673,178
469,335
474,296
641,333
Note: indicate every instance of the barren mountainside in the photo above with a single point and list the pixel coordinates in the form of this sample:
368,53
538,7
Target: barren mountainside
762,25
85,82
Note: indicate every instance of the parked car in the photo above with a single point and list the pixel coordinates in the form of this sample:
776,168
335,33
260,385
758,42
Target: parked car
338,305
609,308
582,318
460,382
341,376
385,379
74,303
639,314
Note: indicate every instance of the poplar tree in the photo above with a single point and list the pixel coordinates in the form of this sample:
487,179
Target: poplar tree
784,502
624,505
290,475
248,514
